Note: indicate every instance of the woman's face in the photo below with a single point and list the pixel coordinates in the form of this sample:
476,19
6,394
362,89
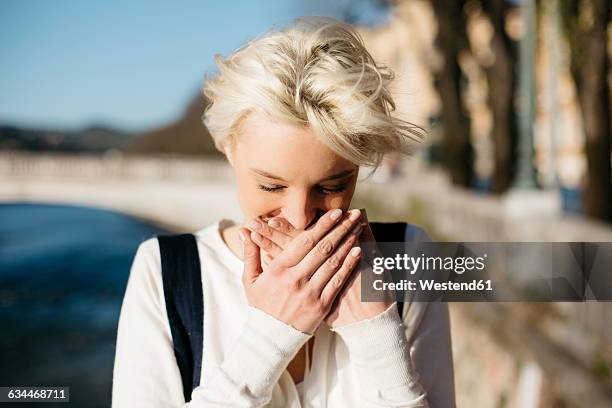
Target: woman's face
285,171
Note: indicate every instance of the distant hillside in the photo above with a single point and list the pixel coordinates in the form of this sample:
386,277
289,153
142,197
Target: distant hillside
95,139
187,136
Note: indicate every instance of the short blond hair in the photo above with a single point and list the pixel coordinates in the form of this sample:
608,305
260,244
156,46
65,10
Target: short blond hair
315,73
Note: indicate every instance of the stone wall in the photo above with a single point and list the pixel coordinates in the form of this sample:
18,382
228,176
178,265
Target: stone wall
509,354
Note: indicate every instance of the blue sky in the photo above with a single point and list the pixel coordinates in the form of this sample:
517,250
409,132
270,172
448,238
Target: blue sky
128,64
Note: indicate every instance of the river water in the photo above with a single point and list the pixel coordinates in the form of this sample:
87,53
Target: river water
63,273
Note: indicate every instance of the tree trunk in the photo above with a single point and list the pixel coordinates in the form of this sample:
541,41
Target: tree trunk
501,78
590,66
451,39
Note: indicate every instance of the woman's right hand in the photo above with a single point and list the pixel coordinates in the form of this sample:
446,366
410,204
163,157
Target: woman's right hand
299,286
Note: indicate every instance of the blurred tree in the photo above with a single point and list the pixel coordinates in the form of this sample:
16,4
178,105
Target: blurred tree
451,40
585,23
501,78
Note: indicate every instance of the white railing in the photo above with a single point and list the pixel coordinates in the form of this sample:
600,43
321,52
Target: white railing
47,165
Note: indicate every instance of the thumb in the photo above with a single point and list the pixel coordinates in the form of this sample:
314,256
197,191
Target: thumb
251,255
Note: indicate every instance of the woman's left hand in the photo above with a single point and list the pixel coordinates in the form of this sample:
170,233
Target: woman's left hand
273,236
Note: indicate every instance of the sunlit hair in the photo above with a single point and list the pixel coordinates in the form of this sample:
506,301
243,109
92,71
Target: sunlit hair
315,73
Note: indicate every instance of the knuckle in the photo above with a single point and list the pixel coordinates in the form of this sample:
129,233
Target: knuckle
325,247
306,241
293,285
336,281
333,262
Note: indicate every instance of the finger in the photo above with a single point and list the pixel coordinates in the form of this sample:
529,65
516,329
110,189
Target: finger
321,277
367,231
336,283
369,244
326,245
265,244
252,261
279,238
282,225
306,240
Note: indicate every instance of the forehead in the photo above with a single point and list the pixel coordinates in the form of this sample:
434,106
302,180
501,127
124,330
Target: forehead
284,149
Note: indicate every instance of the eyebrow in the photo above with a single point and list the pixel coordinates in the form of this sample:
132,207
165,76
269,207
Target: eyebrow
342,174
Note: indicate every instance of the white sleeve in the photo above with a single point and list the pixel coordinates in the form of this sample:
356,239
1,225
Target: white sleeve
379,351
146,373
428,332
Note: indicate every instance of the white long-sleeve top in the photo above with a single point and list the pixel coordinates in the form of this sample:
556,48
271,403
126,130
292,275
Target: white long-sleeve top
385,361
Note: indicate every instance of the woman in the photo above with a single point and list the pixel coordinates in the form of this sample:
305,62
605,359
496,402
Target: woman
297,113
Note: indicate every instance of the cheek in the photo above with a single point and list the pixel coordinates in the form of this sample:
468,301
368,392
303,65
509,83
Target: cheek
342,201
346,198
338,201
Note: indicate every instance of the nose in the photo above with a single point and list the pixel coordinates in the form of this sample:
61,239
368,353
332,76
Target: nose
299,210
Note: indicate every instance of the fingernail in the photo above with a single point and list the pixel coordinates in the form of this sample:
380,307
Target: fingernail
355,251
274,223
256,236
241,236
355,214
256,225
335,214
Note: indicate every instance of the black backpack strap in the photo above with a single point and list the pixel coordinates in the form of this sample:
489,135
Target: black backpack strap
390,232
182,281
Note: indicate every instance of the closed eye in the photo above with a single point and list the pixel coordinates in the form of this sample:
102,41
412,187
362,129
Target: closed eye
270,189
333,190
320,189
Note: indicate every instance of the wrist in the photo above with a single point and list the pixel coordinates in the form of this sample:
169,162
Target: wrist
376,317
380,352
370,310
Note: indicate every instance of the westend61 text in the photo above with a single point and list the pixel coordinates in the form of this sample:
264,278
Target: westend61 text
430,284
